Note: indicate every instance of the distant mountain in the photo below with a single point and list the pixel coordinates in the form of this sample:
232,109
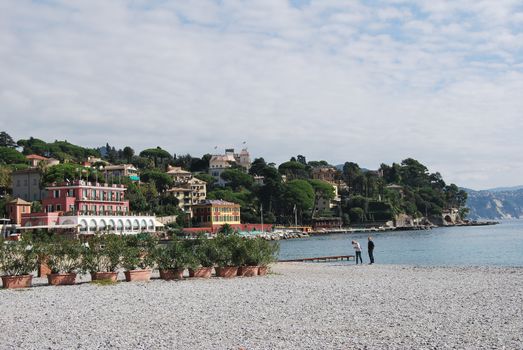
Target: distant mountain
505,189
497,203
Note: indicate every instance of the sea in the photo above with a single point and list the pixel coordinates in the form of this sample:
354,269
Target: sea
497,245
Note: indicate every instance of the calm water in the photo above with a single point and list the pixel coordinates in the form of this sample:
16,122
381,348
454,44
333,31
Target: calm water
500,245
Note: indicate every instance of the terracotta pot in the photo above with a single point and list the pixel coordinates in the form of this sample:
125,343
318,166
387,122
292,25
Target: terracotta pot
61,279
227,271
263,270
12,282
43,269
171,274
98,276
201,272
248,271
137,275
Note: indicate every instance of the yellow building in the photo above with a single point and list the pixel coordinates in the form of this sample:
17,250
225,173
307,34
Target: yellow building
216,213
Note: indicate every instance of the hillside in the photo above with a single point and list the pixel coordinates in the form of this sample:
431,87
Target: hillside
495,204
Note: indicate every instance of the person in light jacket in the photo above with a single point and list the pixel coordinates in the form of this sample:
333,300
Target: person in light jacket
357,249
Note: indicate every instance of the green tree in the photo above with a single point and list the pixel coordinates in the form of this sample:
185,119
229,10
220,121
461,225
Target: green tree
158,155
350,172
294,170
5,177
161,180
414,174
237,178
322,189
128,153
357,215
6,140
257,167
66,171
299,193
142,162
10,156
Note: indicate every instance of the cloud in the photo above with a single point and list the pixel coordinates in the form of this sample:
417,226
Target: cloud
335,80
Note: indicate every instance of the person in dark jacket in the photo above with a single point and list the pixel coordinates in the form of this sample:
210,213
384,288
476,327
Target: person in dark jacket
370,248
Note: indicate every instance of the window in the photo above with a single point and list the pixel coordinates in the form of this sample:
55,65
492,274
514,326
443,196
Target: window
56,193
17,183
58,207
34,182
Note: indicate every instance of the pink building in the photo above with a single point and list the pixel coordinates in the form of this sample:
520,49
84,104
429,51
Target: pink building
86,198
89,208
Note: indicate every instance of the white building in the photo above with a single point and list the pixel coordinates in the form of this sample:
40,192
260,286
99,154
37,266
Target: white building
221,162
110,224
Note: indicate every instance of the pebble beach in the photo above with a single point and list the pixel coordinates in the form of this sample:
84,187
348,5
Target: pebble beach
297,306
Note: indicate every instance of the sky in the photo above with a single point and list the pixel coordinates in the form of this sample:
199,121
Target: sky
364,81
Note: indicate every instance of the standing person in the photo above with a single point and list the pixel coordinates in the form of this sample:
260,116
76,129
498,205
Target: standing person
357,249
370,247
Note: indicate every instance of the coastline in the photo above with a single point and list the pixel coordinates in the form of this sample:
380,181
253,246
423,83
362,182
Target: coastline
309,306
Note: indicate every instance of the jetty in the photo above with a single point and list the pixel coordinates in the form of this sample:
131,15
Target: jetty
322,259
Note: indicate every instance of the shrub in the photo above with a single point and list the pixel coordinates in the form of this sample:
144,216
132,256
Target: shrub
63,255
268,251
103,254
175,255
229,250
137,252
17,258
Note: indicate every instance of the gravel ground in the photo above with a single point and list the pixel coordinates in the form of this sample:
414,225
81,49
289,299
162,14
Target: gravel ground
299,306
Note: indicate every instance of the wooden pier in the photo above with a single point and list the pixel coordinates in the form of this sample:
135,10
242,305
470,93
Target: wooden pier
322,259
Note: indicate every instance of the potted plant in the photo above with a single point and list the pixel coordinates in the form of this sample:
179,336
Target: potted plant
63,258
102,257
40,239
137,258
201,257
251,257
229,254
17,260
268,254
172,260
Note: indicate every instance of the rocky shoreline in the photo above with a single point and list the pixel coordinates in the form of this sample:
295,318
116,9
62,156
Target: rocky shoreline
275,236
299,305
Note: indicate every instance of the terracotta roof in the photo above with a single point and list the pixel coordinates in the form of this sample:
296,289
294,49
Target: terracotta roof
216,202
19,201
36,156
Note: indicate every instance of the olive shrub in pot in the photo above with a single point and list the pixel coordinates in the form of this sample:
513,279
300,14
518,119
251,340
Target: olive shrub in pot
102,257
18,260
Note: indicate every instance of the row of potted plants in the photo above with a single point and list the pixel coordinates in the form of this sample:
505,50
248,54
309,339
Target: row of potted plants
103,255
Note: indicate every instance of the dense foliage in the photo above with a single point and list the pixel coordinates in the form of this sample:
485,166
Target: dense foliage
278,193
